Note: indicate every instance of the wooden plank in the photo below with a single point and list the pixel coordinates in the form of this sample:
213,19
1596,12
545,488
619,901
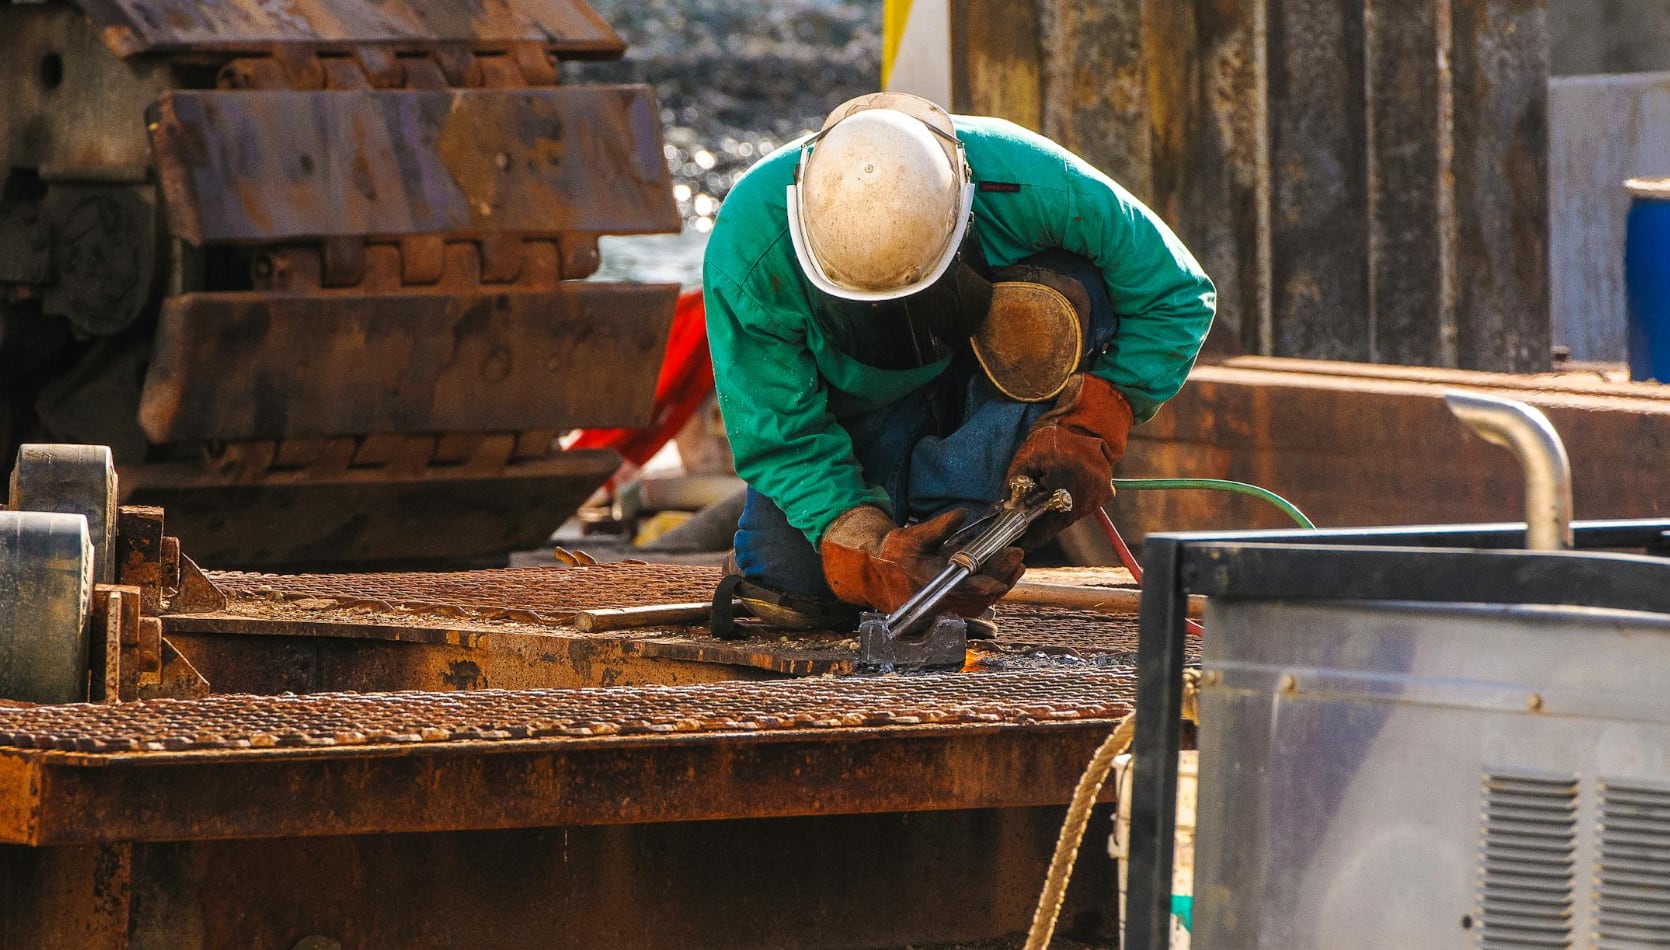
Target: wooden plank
1319,206
634,618
1500,61
1411,298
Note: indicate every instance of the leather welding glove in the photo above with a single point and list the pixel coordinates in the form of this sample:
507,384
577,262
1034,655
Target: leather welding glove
871,562
1074,446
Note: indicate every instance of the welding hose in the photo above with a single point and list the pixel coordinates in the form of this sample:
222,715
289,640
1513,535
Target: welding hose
1044,918
1216,484
1210,484
1096,774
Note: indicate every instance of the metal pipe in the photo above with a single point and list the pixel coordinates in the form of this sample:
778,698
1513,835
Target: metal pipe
1526,432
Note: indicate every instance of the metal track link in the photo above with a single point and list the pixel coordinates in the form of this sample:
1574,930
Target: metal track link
420,263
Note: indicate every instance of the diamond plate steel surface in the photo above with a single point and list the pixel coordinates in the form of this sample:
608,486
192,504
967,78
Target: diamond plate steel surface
539,595
257,723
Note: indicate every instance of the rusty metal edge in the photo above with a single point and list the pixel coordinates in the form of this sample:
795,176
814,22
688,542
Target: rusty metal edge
126,38
472,786
235,625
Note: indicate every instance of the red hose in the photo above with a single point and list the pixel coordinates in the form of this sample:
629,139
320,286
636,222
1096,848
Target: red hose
1130,561
685,382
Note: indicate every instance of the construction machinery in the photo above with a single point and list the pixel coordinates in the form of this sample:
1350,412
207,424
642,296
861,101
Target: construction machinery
313,271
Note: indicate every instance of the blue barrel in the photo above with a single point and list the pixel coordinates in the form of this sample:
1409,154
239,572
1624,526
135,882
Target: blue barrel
1647,278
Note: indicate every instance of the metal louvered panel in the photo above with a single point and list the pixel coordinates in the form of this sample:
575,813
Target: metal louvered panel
1632,883
1526,860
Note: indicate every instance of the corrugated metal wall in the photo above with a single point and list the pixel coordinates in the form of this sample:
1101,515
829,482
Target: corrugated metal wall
1365,179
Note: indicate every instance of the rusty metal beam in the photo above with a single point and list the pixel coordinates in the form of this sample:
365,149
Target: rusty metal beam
196,796
258,167
242,366
183,26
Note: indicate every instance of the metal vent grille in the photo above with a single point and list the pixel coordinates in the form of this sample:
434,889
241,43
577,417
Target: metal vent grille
1527,860
1632,889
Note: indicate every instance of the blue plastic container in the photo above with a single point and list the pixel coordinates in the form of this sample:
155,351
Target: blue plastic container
1647,278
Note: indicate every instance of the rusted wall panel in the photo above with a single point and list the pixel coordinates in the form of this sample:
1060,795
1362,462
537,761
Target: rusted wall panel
1095,86
1350,196
1319,196
996,60
785,884
153,26
1603,129
1212,172
267,166
65,898
1410,305
243,366
1500,59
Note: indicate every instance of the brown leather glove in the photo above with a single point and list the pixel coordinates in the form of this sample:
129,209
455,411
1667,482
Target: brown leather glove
871,562
1074,446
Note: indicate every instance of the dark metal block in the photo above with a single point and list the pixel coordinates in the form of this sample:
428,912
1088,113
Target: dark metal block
241,366
369,515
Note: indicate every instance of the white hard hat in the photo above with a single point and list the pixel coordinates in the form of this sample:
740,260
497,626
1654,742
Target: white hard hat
881,198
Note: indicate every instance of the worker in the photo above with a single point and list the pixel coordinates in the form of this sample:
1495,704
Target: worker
905,310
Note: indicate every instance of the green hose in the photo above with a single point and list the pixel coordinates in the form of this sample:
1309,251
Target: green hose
1217,484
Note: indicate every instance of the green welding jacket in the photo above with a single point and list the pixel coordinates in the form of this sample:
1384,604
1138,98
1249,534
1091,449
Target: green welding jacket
782,382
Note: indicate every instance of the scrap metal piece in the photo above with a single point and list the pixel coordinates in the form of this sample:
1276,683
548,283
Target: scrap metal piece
882,648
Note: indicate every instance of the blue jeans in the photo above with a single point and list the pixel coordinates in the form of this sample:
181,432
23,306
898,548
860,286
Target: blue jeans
946,445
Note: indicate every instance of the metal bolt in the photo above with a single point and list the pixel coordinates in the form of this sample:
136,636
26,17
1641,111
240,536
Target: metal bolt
502,160
1533,702
1289,683
1211,678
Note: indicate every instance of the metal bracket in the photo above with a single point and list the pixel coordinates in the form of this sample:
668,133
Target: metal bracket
942,646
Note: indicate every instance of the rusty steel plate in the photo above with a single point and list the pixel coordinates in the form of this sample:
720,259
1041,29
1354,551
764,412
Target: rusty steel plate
259,167
188,26
243,766
443,607
242,366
